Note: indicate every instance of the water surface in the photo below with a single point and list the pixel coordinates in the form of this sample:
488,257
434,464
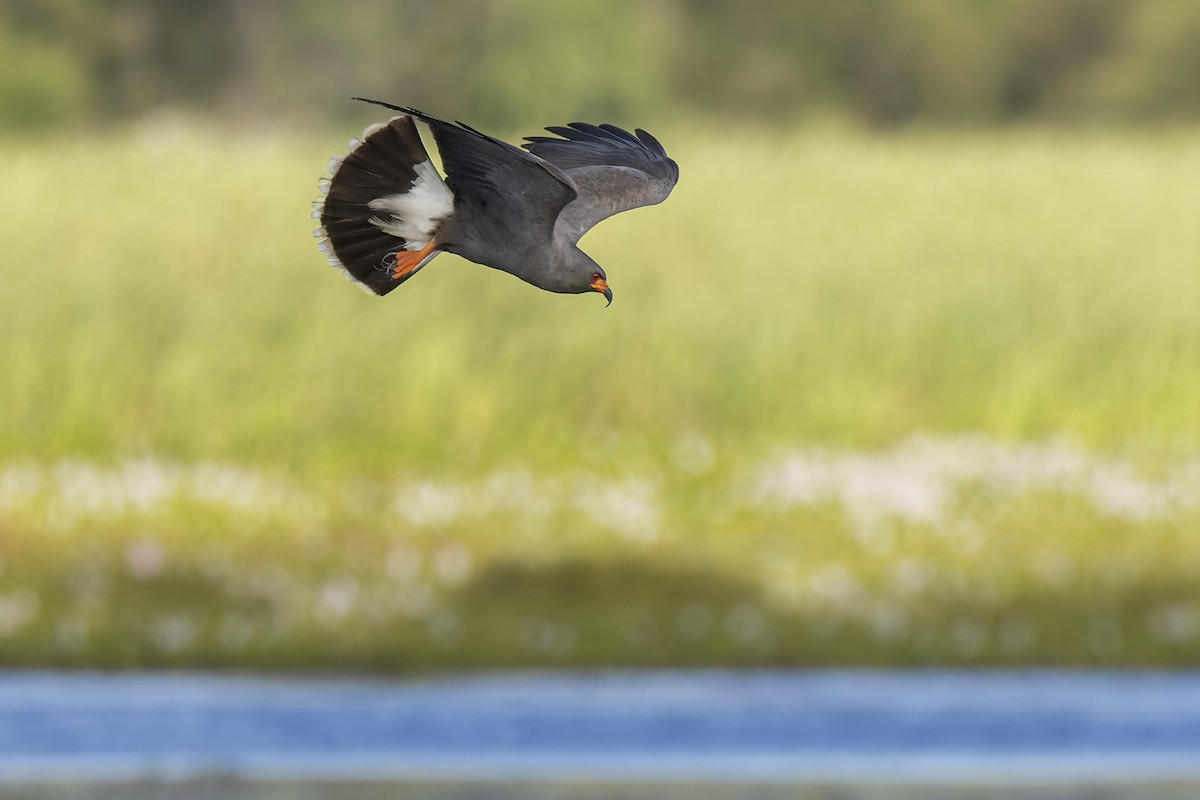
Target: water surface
611,734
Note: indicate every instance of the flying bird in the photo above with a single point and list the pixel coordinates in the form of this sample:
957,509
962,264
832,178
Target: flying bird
386,211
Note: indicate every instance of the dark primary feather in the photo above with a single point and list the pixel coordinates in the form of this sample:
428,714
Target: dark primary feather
585,145
613,171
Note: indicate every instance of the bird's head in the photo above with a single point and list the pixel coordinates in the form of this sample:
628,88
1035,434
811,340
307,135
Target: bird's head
588,276
599,283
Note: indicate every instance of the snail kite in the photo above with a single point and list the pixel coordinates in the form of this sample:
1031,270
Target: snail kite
386,210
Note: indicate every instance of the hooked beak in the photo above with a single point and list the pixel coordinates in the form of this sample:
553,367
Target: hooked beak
600,285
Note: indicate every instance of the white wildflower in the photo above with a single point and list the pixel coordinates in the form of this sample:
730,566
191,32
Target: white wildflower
336,599
145,558
427,503
1176,623
17,609
403,563
173,633
628,507
452,564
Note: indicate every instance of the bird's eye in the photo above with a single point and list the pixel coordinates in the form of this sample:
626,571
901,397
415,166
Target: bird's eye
595,277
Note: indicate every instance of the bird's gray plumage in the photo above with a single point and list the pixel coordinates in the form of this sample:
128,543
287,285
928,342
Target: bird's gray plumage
612,171
523,210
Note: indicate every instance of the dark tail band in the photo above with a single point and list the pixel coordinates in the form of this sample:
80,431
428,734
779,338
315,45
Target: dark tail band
352,234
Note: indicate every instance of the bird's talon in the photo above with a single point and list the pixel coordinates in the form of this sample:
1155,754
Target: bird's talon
408,260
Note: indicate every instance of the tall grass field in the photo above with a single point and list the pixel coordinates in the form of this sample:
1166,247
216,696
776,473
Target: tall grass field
922,399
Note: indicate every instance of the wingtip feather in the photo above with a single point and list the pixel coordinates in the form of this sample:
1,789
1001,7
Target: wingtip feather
649,141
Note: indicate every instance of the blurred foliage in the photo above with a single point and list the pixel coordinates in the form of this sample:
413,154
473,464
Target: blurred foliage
214,451
925,398
884,64
40,85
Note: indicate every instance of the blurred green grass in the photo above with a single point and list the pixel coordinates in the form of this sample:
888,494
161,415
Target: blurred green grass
166,297
165,305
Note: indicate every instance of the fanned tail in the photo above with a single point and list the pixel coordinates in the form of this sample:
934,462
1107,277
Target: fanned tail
382,206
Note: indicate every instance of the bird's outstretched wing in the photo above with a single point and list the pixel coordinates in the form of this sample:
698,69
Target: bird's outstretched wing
613,171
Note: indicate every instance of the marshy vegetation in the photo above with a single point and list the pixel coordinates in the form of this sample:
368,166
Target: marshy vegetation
905,399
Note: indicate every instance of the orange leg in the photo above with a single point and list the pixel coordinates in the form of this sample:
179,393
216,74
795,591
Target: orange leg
407,260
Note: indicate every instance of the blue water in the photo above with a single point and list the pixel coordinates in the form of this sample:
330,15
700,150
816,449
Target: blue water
804,727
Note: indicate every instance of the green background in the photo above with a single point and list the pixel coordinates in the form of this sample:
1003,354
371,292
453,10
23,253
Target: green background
906,371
